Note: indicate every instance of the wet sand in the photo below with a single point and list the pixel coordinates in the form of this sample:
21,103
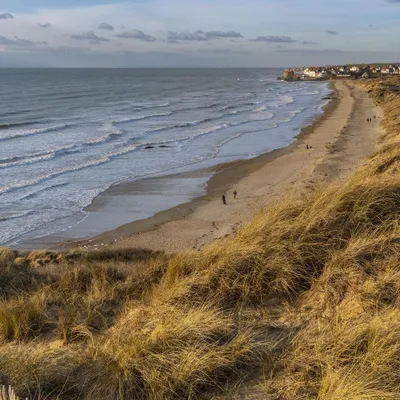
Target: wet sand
341,140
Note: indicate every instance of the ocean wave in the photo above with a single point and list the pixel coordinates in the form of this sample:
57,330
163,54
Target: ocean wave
115,133
285,99
31,182
228,107
260,115
26,161
292,115
56,152
265,116
37,157
313,93
183,125
207,106
17,124
217,128
35,132
16,112
16,216
141,117
31,195
139,107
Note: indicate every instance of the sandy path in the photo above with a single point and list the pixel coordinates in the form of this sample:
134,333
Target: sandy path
340,142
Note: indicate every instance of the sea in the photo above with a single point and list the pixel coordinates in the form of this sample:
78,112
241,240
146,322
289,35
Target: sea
67,135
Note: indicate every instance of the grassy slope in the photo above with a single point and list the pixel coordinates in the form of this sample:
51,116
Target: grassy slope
307,296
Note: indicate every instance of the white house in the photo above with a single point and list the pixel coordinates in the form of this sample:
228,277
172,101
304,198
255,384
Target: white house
311,73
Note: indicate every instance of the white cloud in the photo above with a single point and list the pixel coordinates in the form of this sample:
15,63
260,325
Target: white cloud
136,34
89,36
274,39
106,27
219,34
15,42
6,16
186,36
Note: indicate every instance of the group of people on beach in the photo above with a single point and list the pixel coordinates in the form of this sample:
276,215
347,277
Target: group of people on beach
370,119
224,197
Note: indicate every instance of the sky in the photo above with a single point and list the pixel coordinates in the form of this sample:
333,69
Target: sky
197,33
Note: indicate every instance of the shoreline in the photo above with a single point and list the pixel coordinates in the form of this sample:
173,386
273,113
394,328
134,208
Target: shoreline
184,218
223,177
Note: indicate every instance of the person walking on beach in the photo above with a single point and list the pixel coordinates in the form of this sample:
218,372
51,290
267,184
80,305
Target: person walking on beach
234,194
224,199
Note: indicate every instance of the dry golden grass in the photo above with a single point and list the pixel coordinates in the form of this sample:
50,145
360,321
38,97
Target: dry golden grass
303,302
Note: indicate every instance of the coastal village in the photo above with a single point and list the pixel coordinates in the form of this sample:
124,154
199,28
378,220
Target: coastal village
341,72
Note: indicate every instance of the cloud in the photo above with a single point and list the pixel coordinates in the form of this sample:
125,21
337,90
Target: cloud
201,36
106,27
45,25
274,39
136,34
15,42
186,36
332,32
306,42
6,16
90,36
219,34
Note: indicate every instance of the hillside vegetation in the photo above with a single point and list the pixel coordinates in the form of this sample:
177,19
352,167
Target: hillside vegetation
303,303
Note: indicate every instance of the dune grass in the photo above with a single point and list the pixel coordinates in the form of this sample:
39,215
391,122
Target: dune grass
303,303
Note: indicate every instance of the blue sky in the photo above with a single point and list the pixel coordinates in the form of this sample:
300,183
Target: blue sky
212,33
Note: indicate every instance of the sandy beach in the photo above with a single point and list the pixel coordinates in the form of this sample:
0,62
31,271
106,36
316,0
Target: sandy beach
338,142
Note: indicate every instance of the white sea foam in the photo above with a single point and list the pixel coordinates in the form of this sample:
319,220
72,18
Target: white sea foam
141,117
19,134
